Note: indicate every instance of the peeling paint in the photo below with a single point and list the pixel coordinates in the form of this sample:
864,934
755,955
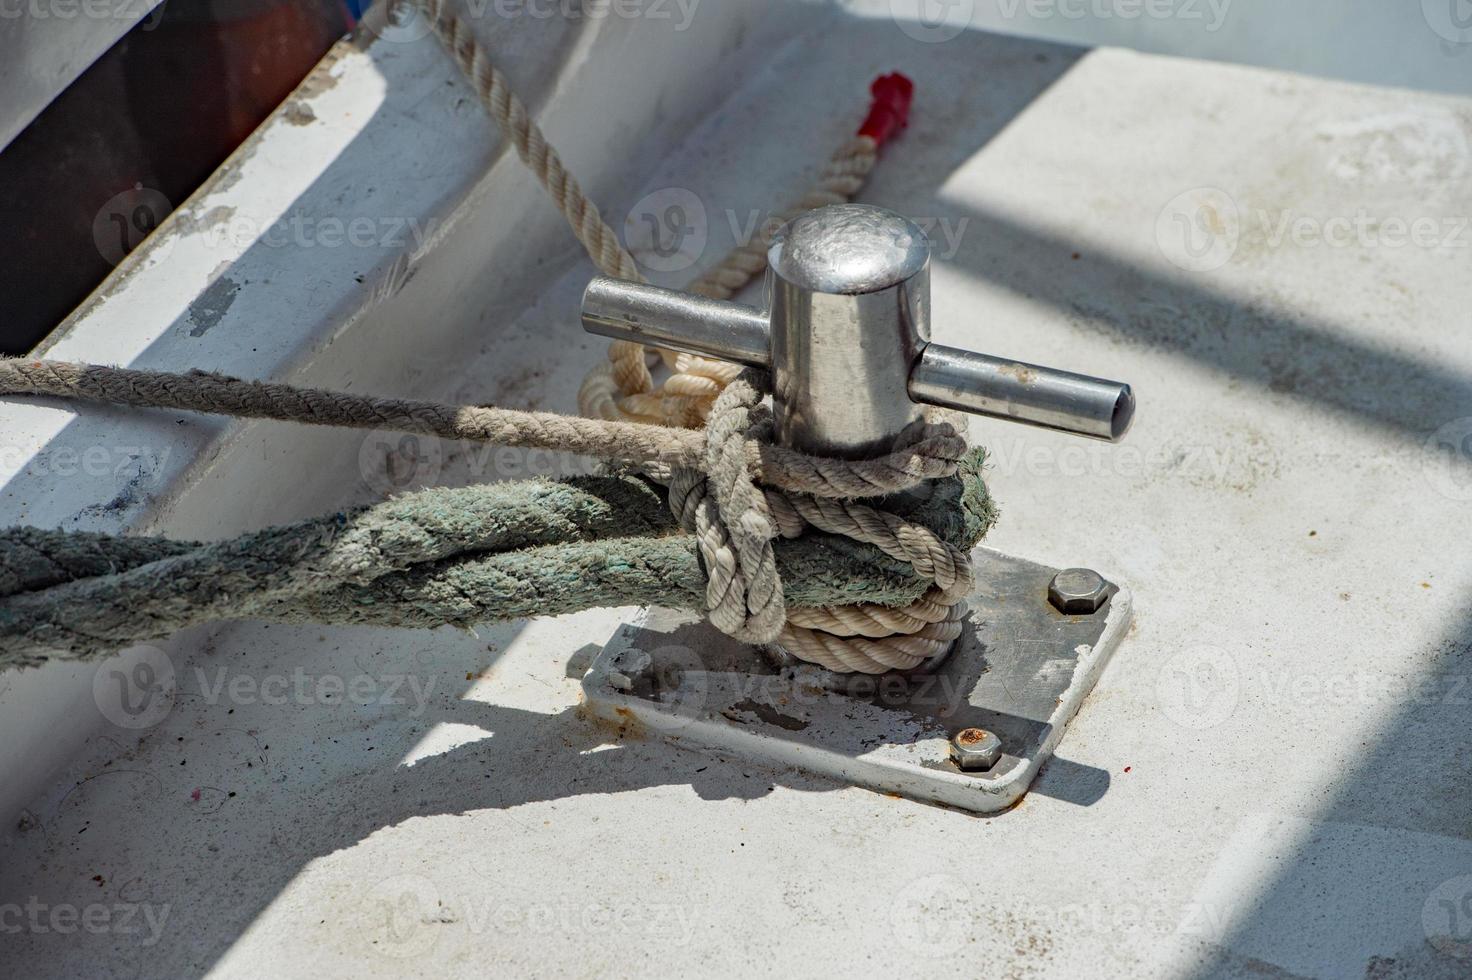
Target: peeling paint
298,114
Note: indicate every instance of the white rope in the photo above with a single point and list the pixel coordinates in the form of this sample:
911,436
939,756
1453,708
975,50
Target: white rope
735,522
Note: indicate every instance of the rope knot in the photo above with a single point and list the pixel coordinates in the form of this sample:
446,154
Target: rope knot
731,519
735,522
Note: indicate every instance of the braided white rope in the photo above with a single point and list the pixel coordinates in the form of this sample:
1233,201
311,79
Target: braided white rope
733,524
630,372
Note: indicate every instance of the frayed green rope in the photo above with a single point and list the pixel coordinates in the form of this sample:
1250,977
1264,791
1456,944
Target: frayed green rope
435,558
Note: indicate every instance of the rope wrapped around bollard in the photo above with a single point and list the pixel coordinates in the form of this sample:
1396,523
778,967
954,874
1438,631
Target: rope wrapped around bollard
740,546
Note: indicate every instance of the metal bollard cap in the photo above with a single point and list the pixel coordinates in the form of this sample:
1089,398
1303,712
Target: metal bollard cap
849,250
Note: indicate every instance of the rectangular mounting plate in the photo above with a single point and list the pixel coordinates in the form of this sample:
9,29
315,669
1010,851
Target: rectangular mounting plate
1021,670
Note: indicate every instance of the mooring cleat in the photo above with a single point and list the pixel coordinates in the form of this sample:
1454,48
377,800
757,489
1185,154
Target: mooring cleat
847,342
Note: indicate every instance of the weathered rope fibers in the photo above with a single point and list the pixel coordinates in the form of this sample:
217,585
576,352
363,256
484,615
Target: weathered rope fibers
473,554
743,594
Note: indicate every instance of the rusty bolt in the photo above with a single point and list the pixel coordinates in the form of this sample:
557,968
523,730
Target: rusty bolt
1078,591
975,749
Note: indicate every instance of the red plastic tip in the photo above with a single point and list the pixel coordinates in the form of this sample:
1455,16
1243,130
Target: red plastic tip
893,95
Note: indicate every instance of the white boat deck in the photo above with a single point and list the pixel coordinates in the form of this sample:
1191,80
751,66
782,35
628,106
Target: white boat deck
1272,778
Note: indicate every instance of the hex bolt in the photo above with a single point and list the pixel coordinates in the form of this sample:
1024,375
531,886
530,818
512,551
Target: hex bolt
975,749
1078,591
629,668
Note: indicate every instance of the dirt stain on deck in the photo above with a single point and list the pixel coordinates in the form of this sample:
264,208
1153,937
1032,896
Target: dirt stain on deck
212,305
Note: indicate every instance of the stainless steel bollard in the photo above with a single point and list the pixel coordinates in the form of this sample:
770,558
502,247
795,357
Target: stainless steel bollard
848,341
850,293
